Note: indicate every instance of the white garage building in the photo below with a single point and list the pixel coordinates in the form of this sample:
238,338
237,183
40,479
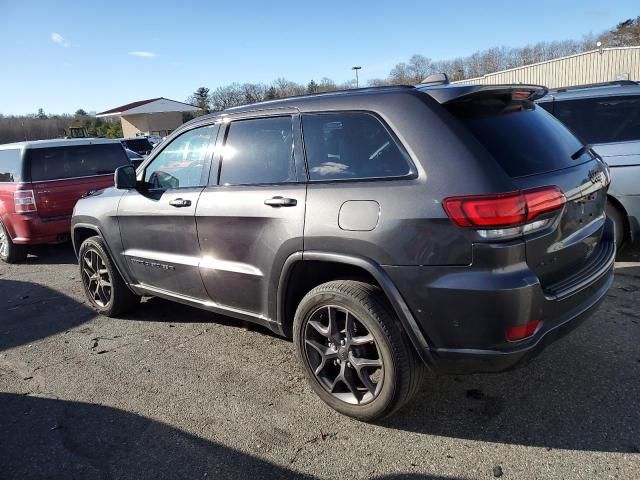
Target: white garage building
155,116
594,66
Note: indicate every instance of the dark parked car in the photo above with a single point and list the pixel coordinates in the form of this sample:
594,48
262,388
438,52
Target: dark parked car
386,230
135,158
607,117
140,145
40,182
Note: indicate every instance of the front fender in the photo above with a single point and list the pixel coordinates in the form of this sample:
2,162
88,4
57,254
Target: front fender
99,213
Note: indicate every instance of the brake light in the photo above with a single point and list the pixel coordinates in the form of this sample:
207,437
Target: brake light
487,211
520,332
506,214
520,94
24,201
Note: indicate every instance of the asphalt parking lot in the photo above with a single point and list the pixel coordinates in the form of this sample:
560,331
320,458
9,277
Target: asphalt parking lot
173,392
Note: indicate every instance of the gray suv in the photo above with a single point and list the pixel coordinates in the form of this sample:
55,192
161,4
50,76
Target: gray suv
607,117
387,231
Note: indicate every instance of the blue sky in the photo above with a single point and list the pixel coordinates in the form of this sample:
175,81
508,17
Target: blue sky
62,55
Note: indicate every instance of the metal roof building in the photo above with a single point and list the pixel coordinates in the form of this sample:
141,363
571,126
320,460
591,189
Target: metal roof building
594,66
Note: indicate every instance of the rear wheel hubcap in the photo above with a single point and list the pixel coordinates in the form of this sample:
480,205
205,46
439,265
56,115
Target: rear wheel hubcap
343,355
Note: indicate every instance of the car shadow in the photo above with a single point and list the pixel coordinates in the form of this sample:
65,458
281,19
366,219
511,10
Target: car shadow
52,438
66,439
30,311
581,393
629,253
160,310
56,254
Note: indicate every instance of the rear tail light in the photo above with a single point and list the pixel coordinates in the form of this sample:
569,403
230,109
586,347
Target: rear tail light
507,214
24,201
520,332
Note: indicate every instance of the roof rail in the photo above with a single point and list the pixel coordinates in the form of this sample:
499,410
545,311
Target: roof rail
620,83
329,93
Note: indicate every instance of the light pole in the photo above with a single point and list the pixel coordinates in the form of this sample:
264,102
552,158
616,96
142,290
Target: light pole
356,70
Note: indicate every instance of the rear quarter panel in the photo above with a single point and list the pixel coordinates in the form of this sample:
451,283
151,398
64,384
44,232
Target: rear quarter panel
7,205
57,198
413,228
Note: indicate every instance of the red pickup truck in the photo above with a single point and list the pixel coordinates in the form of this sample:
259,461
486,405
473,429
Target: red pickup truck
40,183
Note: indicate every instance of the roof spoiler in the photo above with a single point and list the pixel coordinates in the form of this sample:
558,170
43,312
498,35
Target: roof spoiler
449,94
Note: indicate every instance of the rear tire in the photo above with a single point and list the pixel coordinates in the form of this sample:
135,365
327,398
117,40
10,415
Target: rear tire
619,223
104,287
9,251
354,353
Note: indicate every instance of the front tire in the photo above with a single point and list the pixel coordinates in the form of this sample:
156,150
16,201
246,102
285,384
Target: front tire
354,353
104,287
9,251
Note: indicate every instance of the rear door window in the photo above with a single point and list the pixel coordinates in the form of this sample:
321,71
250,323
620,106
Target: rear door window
55,163
522,137
603,119
351,145
258,151
10,166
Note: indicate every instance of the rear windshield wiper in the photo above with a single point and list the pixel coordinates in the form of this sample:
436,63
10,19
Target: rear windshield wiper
584,149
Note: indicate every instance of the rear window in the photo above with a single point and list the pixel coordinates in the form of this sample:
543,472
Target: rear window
601,120
523,138
56,163
138,145
10,165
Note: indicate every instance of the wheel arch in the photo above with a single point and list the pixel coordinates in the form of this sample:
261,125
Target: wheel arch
82,231
295,282
628,231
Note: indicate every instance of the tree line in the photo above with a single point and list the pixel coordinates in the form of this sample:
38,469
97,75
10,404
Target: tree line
419,66
39,126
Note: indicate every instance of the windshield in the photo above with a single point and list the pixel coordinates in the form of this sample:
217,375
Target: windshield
54,163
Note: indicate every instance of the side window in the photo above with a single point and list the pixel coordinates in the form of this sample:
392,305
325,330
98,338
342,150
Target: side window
10,165
182,163
603,119
351,145
258,150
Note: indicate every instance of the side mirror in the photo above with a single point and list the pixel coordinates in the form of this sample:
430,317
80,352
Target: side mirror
125,177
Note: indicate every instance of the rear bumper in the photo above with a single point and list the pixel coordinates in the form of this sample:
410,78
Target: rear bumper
464,312
452,360
30,229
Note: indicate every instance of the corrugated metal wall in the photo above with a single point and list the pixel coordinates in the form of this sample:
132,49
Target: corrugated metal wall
621,63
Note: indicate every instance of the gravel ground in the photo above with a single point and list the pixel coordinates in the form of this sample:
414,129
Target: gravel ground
174,392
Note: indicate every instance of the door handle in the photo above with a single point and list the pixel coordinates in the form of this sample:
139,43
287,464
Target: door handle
281,202
179,202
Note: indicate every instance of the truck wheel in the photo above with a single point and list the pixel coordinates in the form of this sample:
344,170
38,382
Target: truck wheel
354,353
9,251
614,213
104,287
